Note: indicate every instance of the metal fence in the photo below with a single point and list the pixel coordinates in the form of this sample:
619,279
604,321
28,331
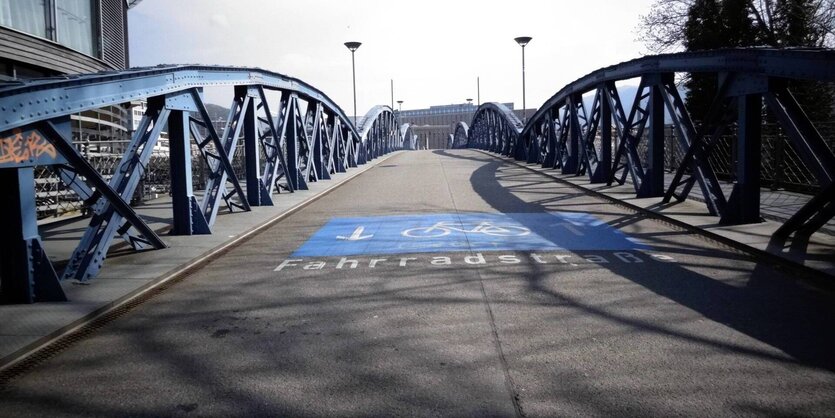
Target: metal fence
54,199
781,167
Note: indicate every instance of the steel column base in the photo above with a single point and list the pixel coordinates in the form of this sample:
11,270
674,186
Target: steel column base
26,274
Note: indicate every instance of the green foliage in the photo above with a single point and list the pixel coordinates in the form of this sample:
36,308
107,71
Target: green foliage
794,27
716,24
712,24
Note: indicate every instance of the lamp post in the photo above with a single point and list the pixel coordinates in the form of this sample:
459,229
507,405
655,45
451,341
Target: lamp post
522,41
399,105
353,46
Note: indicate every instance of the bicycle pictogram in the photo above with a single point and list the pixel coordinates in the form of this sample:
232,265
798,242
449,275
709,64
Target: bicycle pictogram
442,229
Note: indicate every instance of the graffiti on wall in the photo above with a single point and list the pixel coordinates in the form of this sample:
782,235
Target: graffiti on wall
26,148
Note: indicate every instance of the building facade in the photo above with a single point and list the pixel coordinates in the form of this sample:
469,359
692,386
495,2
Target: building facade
41,38
45,38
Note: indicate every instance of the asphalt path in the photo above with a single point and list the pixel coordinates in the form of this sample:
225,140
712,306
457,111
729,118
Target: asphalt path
676,325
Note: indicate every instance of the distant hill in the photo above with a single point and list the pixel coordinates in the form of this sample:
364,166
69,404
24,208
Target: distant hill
217,112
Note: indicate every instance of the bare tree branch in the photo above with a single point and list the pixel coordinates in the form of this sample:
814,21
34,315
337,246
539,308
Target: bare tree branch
662,28
764,24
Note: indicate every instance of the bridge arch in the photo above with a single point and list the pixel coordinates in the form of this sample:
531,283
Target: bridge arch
287,143
379,132
408,136
614,139
461,136
495,128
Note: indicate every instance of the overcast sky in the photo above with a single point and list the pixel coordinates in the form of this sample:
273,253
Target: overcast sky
433,49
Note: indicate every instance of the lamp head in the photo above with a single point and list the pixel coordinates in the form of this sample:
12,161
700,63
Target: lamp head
400,102
523,40
353,46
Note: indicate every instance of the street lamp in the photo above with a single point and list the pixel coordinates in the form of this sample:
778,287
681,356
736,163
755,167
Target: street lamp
353,46
522,41
400,105
470,101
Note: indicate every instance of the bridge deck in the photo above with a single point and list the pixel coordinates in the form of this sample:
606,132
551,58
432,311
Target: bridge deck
656,324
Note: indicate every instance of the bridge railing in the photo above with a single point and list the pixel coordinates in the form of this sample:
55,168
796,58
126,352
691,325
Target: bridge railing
379,133
616,140
265,144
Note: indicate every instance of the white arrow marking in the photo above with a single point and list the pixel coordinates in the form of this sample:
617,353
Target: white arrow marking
570,227
356,236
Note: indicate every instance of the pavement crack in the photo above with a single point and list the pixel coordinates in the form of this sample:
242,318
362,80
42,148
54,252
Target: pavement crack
511,386
494,330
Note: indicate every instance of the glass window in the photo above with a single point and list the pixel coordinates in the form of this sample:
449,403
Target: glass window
24,15
74,22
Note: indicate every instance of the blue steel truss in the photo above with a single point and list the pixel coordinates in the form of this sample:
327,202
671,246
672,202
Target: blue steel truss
303,137
495,128
563,134
379,133
409,136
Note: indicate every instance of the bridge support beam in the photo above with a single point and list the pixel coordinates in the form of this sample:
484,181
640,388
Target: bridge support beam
26,274
252,152
188,218
817,156
604,169
112,214
744,203
653,184
572,160
551,140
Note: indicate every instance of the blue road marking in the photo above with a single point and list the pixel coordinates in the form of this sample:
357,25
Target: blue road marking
452,232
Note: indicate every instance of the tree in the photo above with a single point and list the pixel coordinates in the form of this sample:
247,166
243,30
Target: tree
738,28
712,24
662,28
702,30
695,25
793,25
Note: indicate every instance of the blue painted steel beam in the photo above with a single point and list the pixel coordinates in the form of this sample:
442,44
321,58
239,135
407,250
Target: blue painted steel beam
26,274
690,139
174,94
799,64
29,101
605,169
572,163
272,141
744,203
653,185
551,122
112,208
219,157
293,126
562,135
187,216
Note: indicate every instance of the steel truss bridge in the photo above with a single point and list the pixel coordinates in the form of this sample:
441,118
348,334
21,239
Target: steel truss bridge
300,138
564,134
304,137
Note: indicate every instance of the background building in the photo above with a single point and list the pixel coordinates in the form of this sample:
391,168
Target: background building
434,125
43,38
52,37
